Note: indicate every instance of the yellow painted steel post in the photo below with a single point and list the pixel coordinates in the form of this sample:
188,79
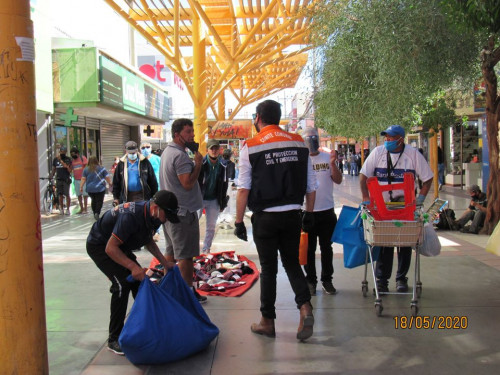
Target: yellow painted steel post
199,88
221,107
23,338
433,160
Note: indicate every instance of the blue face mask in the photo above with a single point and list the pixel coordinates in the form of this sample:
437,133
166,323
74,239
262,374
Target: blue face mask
146,151
132,156
391,146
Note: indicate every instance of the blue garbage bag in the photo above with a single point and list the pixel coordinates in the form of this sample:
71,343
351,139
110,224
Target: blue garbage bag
355,248
349,218
166,323
349,232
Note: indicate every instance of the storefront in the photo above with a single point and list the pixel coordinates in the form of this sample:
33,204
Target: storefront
99,104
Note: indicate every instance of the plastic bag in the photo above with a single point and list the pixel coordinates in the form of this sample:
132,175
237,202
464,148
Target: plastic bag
431,246
493,244
349,218
166,323
349,232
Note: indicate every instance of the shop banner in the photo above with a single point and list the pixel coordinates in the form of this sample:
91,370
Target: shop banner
241,129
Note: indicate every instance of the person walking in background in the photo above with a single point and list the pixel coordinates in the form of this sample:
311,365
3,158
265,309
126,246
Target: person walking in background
61,169
325,219
389,163
78,164
95,178
275,175
230,166
147,152
213,183
441,168
112,171
179,174
134,178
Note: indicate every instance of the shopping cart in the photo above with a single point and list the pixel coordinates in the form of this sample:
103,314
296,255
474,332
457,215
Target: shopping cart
392,225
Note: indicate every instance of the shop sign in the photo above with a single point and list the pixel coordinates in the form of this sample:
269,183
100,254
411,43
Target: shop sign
123,89
230,129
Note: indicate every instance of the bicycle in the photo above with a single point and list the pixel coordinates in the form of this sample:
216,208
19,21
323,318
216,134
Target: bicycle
49,197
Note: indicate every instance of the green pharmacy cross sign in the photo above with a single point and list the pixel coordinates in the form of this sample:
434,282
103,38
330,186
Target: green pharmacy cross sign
69,117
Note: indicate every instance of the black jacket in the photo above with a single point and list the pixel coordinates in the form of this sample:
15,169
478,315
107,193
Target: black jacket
147,178
221,181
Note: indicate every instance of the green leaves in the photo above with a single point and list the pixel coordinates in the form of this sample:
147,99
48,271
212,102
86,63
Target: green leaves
381,58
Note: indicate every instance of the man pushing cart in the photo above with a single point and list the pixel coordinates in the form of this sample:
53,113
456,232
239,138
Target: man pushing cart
388,164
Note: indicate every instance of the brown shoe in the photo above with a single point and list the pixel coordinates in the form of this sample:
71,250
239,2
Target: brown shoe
265,327
305,329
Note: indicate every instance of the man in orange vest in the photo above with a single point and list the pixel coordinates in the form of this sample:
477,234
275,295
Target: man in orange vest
275,175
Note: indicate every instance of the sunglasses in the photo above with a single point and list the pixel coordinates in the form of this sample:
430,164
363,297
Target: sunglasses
143,147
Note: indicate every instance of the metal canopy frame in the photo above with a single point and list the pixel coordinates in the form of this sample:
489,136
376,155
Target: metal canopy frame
252,48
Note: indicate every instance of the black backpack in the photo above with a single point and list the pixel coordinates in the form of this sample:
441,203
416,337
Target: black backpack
446,218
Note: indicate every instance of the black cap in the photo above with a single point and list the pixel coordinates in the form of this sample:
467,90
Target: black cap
167,201
131,146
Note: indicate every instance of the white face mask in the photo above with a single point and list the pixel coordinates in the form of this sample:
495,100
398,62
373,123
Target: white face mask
132,156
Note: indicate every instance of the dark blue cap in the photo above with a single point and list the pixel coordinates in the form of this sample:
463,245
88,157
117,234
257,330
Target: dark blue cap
393,130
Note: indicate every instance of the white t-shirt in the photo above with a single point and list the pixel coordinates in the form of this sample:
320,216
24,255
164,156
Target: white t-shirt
324,194
411,160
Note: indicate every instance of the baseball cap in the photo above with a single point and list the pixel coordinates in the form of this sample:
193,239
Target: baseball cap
393,130
212,142
167,201
63,148
474,189
131,146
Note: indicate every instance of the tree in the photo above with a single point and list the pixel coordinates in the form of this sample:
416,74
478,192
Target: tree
483,17
381,59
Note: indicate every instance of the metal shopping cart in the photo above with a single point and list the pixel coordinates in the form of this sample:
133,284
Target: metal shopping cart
391,225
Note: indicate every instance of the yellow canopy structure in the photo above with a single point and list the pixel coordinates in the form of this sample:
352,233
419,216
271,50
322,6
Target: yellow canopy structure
252,48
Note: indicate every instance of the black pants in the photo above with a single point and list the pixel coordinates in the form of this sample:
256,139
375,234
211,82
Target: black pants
120,287
324,225
96,201
384,263
273,232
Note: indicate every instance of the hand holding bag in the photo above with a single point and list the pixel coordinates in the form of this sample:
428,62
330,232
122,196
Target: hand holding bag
431,246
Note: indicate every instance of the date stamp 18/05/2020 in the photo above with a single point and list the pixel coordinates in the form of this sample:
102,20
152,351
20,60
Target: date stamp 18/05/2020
431,322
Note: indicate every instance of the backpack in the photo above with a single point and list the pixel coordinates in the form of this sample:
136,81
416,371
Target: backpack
446,217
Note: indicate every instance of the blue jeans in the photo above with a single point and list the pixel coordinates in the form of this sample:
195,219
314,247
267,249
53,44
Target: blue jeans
441,173
273,232
212,210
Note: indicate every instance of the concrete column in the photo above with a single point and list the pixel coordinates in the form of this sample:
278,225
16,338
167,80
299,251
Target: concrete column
23,338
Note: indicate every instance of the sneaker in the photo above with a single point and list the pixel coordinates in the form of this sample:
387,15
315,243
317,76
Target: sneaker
382,286
199,297
115,347
312,288
67,212
61,211
328,287
402,285
96,216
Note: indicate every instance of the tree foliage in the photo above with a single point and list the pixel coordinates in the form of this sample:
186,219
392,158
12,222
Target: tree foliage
380,59
483,18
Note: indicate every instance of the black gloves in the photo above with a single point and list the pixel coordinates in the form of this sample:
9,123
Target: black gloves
307,221
240,231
